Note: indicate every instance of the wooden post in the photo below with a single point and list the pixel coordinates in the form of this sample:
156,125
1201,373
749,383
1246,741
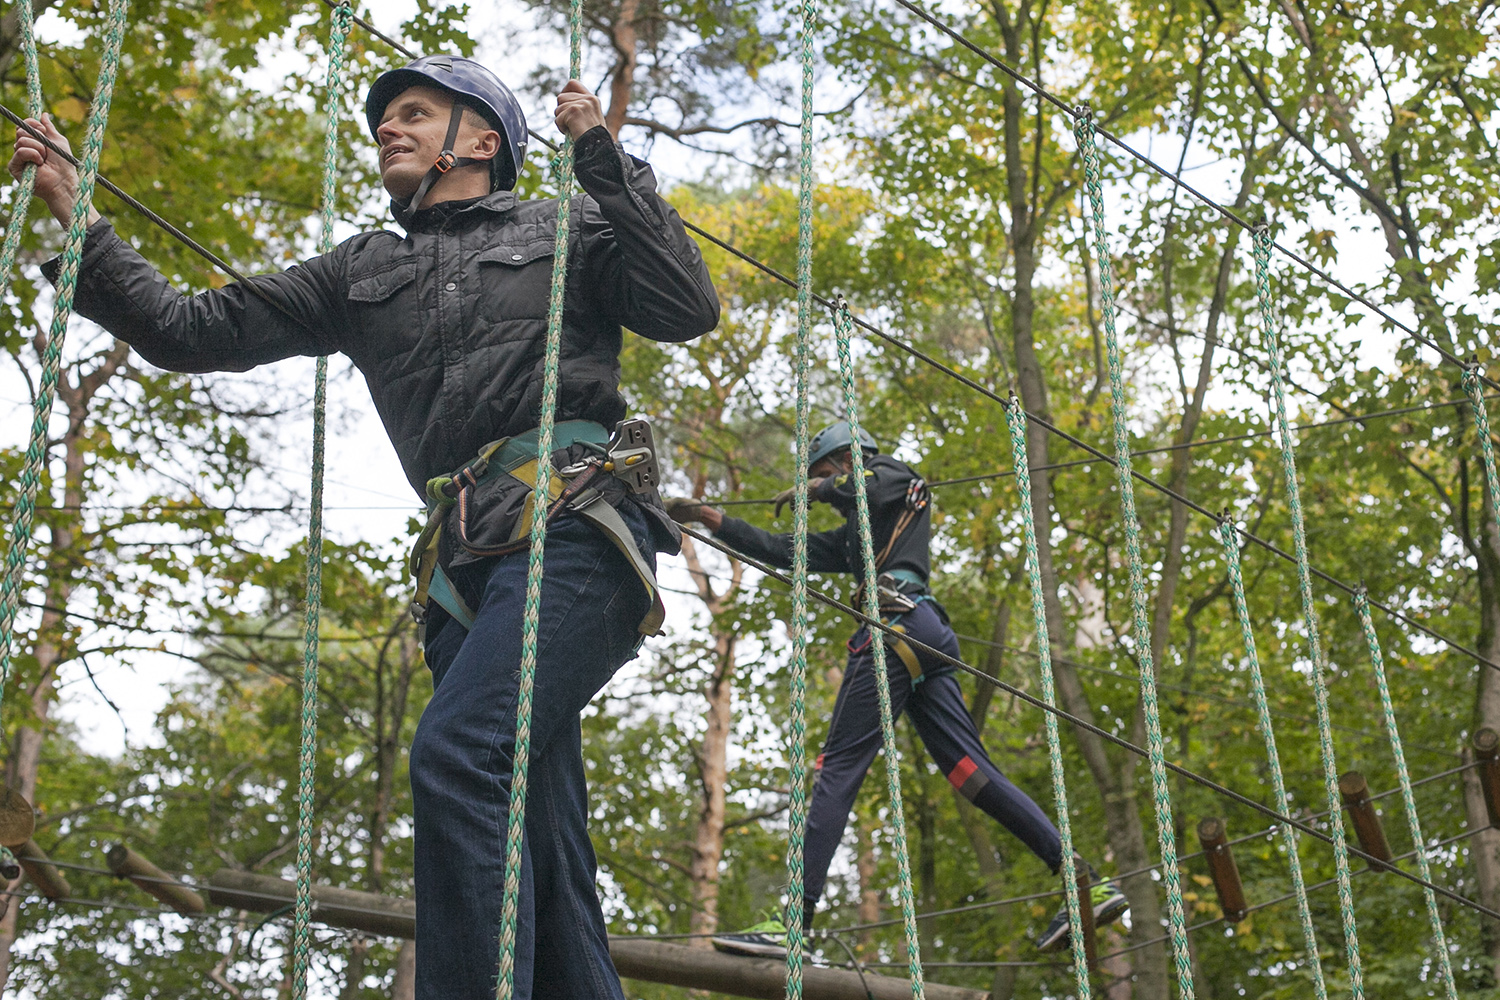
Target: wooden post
1214,836
17,818
1367,828
1086,916
649,961
150,879
1487,753
43,874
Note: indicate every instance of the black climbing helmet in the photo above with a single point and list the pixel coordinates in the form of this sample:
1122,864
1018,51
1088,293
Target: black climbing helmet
835,438
475,87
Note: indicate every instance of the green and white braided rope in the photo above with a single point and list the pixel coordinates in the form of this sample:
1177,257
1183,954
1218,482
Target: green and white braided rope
540,499
1015,416
797,750
1141,622
843,325
1377,658
67,288
340,19
1231,540
1309,611
21,198
1482,430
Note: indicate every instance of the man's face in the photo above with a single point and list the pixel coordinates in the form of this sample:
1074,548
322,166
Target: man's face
411,137
832,465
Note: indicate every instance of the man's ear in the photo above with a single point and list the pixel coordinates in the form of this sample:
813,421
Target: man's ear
485,145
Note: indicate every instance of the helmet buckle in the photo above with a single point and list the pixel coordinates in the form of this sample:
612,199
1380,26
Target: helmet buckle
445,162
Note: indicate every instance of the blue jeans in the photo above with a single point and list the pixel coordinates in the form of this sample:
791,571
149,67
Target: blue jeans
947,730
461,758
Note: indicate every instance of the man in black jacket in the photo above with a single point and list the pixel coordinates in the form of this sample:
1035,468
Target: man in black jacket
448,325
920,683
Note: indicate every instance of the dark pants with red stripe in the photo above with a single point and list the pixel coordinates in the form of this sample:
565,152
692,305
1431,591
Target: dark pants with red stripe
937,709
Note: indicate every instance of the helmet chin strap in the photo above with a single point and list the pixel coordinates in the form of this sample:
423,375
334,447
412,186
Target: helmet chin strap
445,162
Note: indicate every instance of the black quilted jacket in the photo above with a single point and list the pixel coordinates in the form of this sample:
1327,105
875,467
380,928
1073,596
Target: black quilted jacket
449,323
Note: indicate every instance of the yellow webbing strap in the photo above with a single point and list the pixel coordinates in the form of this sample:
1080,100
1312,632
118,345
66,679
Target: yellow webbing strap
905,652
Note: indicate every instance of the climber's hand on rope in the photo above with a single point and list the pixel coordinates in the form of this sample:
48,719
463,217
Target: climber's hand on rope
789,494
56,178
578,110
685,511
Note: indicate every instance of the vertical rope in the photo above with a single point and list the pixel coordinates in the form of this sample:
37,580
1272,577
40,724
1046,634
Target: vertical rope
515,832
1141,627
1231,540
27,184
1482,429
797,818
843,326
67,288
340,20
1309,611
1439,939
1015,416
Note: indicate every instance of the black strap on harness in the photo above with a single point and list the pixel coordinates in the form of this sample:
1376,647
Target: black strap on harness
445,162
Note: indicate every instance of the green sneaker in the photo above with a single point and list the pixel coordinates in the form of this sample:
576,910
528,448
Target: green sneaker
1109,905
766,939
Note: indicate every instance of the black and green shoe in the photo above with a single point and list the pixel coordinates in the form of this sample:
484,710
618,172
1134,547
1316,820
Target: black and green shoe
766,939
1109,903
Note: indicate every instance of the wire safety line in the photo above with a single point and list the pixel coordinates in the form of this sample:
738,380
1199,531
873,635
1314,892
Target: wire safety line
562,165
1486,443
797,807
1141,629
1078,114
67,288
338,34
916,644
843,330
1271,332
1377,659
1015,416
1268,734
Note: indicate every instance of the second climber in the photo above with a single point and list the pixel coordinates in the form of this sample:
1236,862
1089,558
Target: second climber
920,683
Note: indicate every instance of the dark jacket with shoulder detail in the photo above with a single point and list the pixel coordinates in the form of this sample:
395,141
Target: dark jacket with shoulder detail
448,324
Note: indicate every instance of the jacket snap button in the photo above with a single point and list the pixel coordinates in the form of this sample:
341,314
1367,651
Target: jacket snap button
452,285
515,256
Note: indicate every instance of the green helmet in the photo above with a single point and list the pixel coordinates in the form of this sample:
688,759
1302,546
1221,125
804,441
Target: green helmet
835,438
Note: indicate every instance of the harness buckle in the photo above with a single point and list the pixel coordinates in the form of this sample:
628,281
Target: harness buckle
631,455
445,162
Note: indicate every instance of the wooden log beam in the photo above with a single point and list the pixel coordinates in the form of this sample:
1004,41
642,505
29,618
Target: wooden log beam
649,961
43,874
150,879
1356,794
348,908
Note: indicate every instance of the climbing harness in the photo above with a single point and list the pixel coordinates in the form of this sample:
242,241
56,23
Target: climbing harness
628,455
895,603
918,496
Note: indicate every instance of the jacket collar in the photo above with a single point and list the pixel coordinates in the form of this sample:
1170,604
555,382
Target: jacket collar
430,219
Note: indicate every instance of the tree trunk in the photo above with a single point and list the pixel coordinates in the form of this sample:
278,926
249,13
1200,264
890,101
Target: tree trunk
1486,845
869,892
54,647
624,38
404,985
713,770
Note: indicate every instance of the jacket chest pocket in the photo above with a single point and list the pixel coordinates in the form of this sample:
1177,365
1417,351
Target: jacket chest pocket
516,283
383,307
